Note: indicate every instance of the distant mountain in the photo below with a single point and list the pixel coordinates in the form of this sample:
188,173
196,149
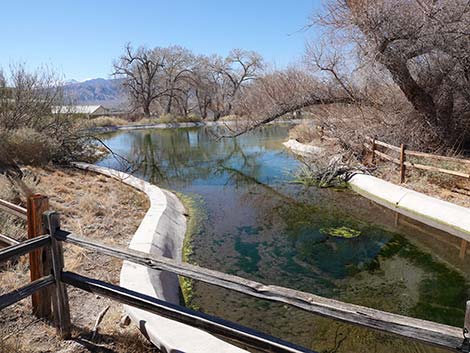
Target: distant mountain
107,93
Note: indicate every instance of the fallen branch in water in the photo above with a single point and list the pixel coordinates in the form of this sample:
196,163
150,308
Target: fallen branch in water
335,173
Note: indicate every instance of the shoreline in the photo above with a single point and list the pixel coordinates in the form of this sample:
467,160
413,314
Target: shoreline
161,233
177,125
443,215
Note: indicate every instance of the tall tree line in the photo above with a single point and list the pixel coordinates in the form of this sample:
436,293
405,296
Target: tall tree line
173,80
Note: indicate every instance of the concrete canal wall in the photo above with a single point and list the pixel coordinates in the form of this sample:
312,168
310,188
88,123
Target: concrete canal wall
443,215
161,233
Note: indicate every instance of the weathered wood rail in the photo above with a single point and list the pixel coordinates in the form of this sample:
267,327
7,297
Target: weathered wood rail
13,209
444,336
403,163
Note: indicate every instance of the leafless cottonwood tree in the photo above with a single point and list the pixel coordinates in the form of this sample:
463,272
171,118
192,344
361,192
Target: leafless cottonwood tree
425,47
401,67
139,68
230,75
203,84
178,67
174,80
281,92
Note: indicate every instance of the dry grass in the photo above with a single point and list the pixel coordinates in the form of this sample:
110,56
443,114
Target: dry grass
444,187
95,207
107,121
169,119
305,133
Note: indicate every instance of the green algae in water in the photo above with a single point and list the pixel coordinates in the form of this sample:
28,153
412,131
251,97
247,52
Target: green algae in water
300,256
194,205
341,232
248,250
442,294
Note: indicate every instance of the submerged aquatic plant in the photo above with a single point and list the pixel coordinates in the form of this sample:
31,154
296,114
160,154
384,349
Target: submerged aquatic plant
341,232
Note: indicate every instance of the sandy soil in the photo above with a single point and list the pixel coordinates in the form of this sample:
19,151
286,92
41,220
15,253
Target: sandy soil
91,206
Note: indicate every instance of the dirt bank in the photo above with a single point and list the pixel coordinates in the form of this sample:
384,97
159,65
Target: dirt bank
92,206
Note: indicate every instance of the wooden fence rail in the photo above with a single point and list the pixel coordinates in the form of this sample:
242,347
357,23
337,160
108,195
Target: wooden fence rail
404,163
8,240
444,336
13,209
25,247
25,291
181,314
425,331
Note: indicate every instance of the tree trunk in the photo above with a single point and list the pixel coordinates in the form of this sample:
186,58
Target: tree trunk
146,107
420,99
170,103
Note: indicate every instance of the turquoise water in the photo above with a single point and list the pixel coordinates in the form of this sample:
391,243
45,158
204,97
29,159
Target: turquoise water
259,225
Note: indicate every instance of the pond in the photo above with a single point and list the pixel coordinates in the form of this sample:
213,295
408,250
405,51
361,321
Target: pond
249,219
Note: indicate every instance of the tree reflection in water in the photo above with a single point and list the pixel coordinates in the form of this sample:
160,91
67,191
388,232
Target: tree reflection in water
260,227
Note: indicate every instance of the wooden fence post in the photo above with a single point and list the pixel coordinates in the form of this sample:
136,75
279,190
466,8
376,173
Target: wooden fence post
61,300
466,324
402,164
373,150
467,317
39,260
463,249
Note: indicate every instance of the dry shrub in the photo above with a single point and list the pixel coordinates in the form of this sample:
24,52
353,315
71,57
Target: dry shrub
29,131
28,146
6,191
230,117
107,121
304,133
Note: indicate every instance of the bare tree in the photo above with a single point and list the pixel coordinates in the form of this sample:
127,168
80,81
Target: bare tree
229,77
177,70
32,127
29,99
281,92
172,79
140,69
425,46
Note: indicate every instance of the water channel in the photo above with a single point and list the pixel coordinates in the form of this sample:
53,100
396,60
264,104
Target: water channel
251,220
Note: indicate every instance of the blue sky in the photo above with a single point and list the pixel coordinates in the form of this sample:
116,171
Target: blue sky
80,38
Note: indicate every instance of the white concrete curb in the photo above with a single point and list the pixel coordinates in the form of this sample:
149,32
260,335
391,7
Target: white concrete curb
443,215
161,232
302,149
189,124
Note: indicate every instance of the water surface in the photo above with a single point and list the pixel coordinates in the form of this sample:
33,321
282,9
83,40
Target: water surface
253,222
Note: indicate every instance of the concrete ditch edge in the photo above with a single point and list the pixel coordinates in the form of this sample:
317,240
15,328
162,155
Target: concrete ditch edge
231,123
443,215
161,233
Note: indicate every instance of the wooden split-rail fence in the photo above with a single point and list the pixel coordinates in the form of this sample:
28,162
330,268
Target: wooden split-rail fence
373,144
49,281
